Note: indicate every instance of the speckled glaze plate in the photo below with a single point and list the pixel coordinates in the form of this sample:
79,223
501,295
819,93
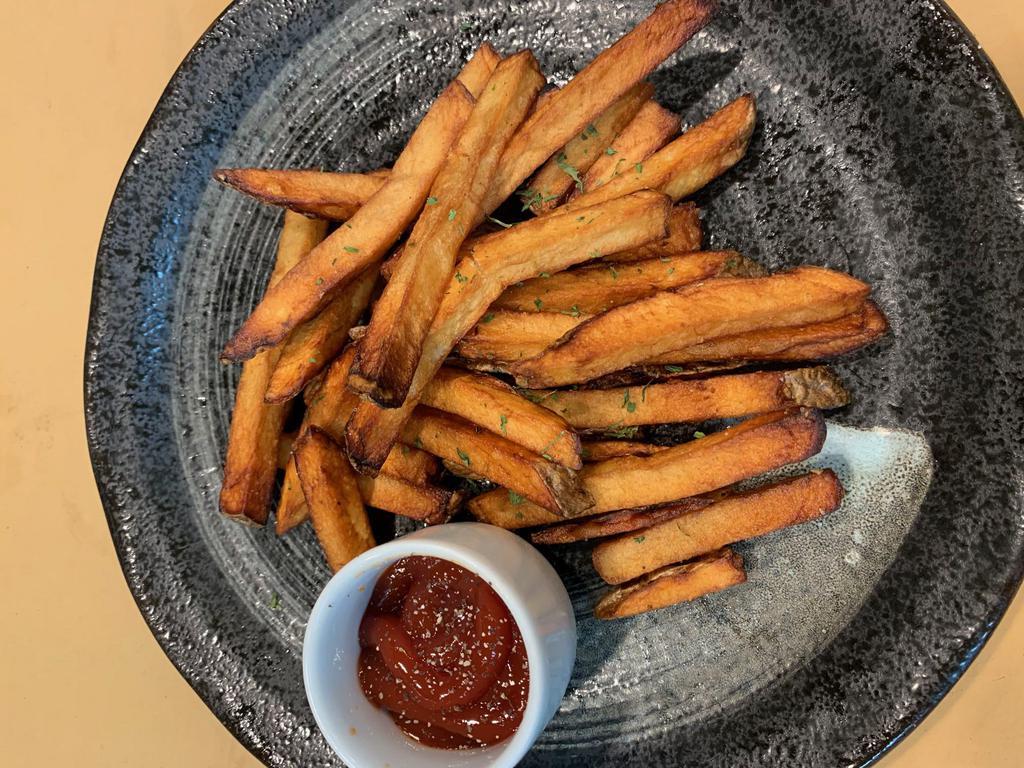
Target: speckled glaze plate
887,146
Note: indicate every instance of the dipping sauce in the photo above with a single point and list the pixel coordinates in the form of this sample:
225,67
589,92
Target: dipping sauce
442,654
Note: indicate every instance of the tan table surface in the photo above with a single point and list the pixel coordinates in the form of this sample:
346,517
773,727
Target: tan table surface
83,682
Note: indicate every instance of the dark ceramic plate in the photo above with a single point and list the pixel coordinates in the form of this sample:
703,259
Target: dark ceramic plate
887,146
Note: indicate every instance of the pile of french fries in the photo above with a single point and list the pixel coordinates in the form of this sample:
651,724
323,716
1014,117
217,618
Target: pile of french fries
511,305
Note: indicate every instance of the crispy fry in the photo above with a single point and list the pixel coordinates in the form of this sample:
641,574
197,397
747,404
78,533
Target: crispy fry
479,68
610,75
685,234
814,341
334,196
364,239
427,503
388,354
688,163
505,336
250,466
549,243
335,504
694,400
621,521
595,288
313,345
734,517
746,450
564,170
601,450
651,128
549,485
678,584
708,310
495,406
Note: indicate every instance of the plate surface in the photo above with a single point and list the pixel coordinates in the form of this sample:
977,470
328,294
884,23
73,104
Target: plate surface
886,146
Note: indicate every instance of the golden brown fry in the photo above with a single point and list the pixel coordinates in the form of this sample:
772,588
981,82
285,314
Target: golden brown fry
610,75
694,400
250,465
549,243
565,169
504,336
313,345
652,128
734,517
428,503
678,584
688,163
601,450
746,450
497,407
390,351
685,234
596,288
708,310
479,68
335,196
813,341
549,485
335,504
620,521
363,240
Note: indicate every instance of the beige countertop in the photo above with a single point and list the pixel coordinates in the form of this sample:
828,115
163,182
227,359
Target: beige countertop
83,681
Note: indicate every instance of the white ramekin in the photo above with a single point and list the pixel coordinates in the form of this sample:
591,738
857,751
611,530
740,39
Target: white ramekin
364,736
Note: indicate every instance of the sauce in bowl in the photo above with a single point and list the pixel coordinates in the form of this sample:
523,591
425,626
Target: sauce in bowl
442,655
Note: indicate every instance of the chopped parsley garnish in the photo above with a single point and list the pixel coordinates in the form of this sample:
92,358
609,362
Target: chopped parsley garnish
464,457
591,130
698,435
275,601
461,277
621,432
418,443
545,274
487,318
674,368
628,404
351,249
580,218
431,200
515,498
570,170
452,214
503,426
319,281
639,167
538,303
609,151
615,272
639,539
573,311
312,359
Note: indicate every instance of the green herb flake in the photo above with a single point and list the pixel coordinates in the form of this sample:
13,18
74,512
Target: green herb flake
698,435
609,151
674,368
529,197
275,601
487,318
464,457
621,432
538,303
547,456
312,359
515,499
614,271
319,281
351,249
465,26
519,515
639,167
418,443
499,222
452,214
545,274
594,254
573,311
671,270
431,200
503,426
570,170
639,539
461,277
643,393
628,404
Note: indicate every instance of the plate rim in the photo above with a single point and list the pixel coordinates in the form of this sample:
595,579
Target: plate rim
865,756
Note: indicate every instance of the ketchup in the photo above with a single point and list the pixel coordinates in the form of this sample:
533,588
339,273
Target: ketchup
442,654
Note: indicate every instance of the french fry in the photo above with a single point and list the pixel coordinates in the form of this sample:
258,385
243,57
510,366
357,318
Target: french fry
604,80
250,466
313,345
651,129
549,485
549,243
678,584
388,354
334,196
564,170
335,504
479,68
813,341
734,517
620,521
755,446
508,336
601,450
364,239
426,503
595,288
685,234
497,407
681,168
695,400
708,310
